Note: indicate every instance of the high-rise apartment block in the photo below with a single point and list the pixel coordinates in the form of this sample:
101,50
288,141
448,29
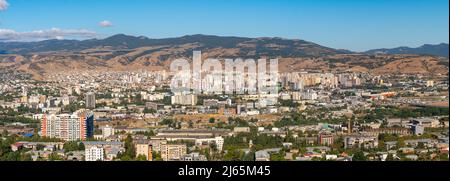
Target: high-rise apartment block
69,127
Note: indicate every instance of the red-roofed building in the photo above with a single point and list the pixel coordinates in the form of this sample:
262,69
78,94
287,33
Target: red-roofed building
16,146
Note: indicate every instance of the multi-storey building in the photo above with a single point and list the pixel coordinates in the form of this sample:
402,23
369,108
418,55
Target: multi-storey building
325,139
93,153
157,143
107,131
189,99
90,100
360,141
171,152
427,122
144,148
309,95
76,126
194,157
218,141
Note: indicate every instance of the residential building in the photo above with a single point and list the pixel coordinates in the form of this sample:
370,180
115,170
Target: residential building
426,122
107,131
309,95
144,148
93,153
262,155
241,129
90,100
189,99
69,127
325,139
193,157
218,141
173,152
360,141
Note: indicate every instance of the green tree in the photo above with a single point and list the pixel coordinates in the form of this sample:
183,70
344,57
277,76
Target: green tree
40,147
130,152
381,145
277,156
390,157
249,156
73,146
156,156
141,157
400,142
359,156
233,155
149,111
54,157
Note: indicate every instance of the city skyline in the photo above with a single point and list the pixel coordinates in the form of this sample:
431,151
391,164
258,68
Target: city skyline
235,81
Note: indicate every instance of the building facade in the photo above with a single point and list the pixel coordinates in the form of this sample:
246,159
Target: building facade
325,139
93,153
90,100
218,141
69,127
189,99
144,148
173,152
107,131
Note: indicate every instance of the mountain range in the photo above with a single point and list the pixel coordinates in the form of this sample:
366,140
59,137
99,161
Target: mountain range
261,46
289,47
126,53
427,49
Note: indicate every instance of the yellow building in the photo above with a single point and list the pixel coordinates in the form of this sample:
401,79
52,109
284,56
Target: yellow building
144,148
173,151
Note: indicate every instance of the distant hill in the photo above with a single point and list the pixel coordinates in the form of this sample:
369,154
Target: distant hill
427,49
130,53
259,46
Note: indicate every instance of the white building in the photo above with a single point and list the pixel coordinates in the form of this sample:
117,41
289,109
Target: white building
217,140
296,96
309,95
93,153
107,131
360,141
430,83
189,99
65,100
34,99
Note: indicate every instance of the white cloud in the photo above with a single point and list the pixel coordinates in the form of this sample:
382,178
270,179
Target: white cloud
3,5
105,23
38,35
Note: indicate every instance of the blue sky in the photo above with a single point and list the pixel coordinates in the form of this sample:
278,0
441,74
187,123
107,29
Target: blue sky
347,24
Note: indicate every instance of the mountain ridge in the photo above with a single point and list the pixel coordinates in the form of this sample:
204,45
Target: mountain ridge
441,49
129,53
130,42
